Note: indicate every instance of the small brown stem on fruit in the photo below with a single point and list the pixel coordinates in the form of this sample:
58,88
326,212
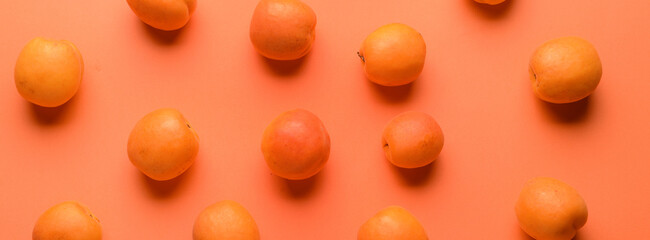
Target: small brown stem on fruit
532,71
362,58
93,217
387,151
188,125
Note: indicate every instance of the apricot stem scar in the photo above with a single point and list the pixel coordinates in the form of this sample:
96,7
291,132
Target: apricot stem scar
362,58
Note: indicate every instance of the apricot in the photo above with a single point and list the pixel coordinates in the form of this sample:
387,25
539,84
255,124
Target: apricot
225,220
412,140
162,145
565,70
283,29
48,72
490,2
392,223
296,145
67,221
165,15
549,209
393,55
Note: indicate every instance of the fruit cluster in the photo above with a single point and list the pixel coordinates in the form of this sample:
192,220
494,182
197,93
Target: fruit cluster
296,144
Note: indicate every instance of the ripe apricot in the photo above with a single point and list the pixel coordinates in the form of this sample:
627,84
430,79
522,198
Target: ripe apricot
165,15
283,29
225,220
296,145
565,70
549,209
67,221
162,145
48,72
412,140
490,2
393,55
392,223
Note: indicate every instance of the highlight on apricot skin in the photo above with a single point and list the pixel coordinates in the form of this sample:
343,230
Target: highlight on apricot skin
163,144
48,72
283,29
565,70
393,55
67,221
296,145
549,209
165,15
225,220
412,139
392,223
490,2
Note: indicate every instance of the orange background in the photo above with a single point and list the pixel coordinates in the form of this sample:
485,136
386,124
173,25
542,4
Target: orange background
475,83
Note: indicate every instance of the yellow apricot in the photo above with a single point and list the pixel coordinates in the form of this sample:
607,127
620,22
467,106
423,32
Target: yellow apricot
393,55
283,29
48,72
67,221
549,209
392,223
163,145
165,15
225,220
565,70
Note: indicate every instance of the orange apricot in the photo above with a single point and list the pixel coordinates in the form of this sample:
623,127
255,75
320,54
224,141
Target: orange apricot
565,70
162,145
392,223
490,2
67,221
283,29
48,72
549,209
165,15
296,145
225,220
412,139
393,55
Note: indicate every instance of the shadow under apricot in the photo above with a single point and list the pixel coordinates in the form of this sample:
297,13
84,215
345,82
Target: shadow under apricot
579,236
491,12
393,95
164,38
298,189
52,116
165,189
524,236
416,177
285,69
568,113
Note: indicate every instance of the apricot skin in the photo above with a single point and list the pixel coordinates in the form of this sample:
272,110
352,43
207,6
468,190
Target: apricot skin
565,70
225,220
393,55
67,221
163,145
490,2
392,223
165,15
283,29
549,209
412,140
48,72
296,145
